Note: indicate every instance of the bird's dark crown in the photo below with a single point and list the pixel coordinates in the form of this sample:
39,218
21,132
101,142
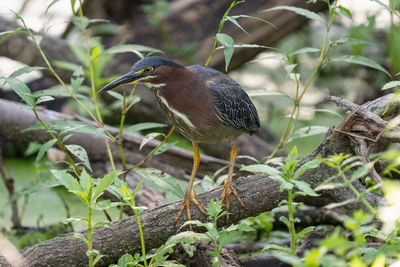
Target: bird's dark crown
154,62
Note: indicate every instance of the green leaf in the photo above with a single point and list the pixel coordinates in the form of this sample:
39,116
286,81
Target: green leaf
137,188
276,247
387,7
67,180
308,131
234,21
304,232
329,186
106,204
228,44
208,226
300,11
81,54
136,128
42,186
226,237
24,70
167,184
305,188
214,208
351,42
105,182
10,33
245,228
115,95
132,48
362,171
85,180
307,166
304,50
290,162
56,91
50,5
286,186
289,69
22,91
329,111
255,18
76,20
65,65
80,153
360,60
73,6
125,260
289,259
213,234
43,149
73,219
248,46
390,85
147,138
97,259
79,236
340,204
165,147
45,98
263,92
341,10
272,173
186,237
261,168
77,79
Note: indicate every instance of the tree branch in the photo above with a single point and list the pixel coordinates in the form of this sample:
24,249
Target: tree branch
17,118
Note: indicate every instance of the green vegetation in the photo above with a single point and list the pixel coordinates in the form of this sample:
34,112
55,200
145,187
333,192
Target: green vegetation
342,245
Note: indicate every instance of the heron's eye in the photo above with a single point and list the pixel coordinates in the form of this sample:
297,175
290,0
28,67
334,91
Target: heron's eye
148,69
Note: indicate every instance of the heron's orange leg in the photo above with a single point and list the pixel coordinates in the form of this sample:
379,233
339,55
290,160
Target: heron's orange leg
228,187
190,195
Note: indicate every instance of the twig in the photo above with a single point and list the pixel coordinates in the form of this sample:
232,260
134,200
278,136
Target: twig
10,252
366,114
9,183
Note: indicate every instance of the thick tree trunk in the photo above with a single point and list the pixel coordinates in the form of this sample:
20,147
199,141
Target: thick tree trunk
258,192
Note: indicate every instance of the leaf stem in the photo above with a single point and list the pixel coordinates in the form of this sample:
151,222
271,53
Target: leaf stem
292,230
153,151
90,245
140,232
221,25
299,96
59,142
355,191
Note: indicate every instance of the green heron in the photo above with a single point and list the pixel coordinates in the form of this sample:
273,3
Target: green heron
205,105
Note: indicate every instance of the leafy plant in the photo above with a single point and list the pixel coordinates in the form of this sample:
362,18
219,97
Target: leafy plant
342,164
220,237
89,192
287,177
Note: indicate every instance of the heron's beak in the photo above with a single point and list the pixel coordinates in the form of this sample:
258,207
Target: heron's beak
129,78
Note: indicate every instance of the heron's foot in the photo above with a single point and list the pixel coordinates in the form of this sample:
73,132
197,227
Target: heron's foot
228,190
189,197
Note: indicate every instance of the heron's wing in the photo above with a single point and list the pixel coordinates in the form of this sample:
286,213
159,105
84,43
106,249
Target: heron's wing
233,105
